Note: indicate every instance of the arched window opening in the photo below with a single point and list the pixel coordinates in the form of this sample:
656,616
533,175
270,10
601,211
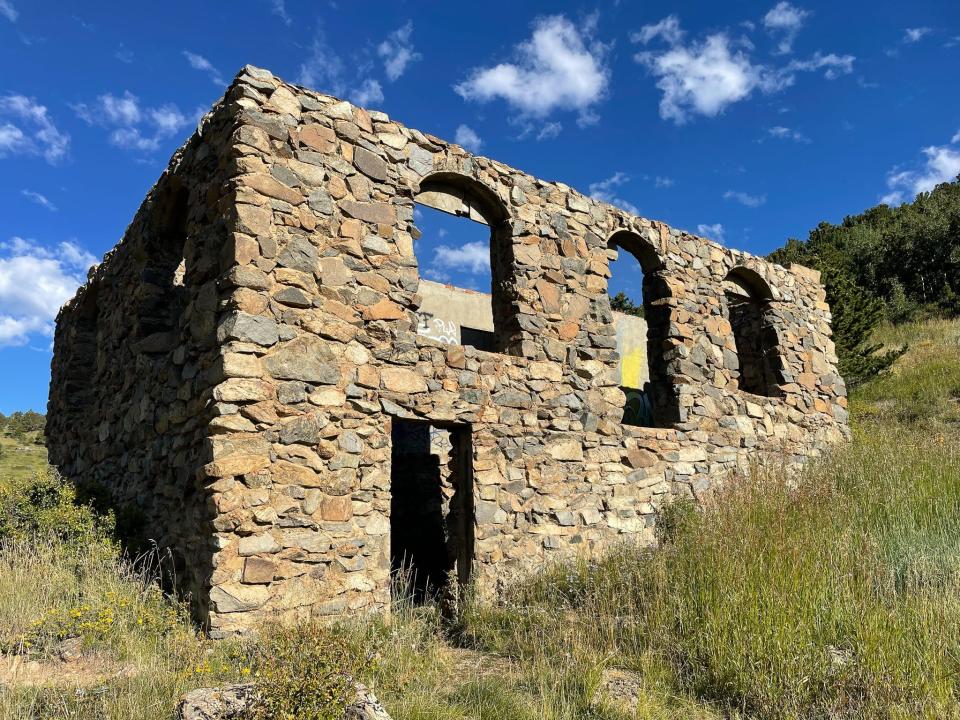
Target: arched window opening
162,291
462,244
640,300
749,306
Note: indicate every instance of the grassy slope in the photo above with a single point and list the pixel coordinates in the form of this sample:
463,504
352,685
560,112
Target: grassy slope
20,460
834,597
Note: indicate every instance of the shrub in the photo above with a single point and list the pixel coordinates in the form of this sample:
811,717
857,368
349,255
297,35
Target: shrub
45,505
306,672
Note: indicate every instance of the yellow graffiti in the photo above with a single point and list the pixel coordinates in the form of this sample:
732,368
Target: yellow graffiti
632,366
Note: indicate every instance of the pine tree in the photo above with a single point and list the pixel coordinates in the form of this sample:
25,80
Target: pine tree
621,303
856,314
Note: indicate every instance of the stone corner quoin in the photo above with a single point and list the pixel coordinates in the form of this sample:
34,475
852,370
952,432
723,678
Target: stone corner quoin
240,367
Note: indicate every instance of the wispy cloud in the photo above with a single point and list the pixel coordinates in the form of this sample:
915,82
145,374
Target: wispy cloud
779,132
30,130
606,191
558,68
705,77
324,70
279,8
27,309
714,232
549,130
199,62
668,29
397,51
132,126
914,35
368,93
8,11
39,199
468,138
746,199
124,54
785,21
663,182
941,163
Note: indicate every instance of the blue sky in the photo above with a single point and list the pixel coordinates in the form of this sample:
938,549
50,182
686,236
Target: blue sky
747,121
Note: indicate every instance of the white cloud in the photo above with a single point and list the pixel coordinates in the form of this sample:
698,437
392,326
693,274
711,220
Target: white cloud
956,138
397,51
472,257
110,109
324,70
555,69
785,20
29,308
702,79
36,133
11,138
8,10
605,191
39,199
941,164
123,54
751,201
368,93
279,9
832,64
669,29
714,232
784,133
133,127
705,77
468,138
912,35
549,131
199,62
663,182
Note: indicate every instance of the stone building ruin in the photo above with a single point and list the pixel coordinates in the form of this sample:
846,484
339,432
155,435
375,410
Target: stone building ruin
251,370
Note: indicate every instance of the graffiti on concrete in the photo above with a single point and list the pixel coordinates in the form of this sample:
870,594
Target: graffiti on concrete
445,331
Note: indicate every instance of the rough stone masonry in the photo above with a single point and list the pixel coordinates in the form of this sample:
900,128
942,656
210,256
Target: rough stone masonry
243,372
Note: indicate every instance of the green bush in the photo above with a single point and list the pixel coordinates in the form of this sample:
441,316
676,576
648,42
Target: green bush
45,505
306,672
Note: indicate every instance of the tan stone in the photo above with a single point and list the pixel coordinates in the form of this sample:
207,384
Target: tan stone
318,137
336,509
402,381
237,464
258,571
383,310
271,187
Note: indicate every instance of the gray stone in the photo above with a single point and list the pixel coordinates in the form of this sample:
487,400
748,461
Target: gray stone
248,328
373,166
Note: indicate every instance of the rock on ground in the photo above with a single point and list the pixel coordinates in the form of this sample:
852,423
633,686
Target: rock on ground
231,701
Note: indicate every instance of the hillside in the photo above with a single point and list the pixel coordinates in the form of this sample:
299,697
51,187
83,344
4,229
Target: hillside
832,596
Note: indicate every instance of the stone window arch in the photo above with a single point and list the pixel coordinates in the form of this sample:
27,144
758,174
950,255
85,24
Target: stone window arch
455,315
655,402
750,301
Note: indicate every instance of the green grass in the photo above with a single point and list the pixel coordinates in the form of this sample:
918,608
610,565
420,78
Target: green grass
20,460
835,594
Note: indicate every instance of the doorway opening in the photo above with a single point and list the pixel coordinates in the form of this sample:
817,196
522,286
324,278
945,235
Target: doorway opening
431,509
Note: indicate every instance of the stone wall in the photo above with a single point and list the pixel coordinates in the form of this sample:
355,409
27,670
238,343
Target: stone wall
136,357
288,413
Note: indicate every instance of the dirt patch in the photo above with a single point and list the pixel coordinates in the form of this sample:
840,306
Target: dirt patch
83,672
